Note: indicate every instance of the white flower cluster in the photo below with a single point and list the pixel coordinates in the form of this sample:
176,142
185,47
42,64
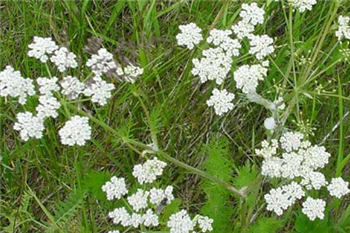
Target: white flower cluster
115,188
146,204
221,100
99,90
190,35
13,84
29,125
314,208
76,131
64,59
247,77
148,172
181,222
130,73
343,28
291,157
216,62
302,5
101,62
41,47
48,104
72,87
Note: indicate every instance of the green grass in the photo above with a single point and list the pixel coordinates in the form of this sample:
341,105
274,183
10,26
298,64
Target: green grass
46,186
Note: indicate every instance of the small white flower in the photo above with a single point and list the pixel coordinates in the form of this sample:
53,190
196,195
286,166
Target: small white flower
149,171
101,62
270,123
314,208
260,46
114,231
48,106
120,215
130,73
338,187
343,28
72,87
189,36
205,223
252,14
64,59
76,131
139,200
13,84
291,141
158,195
268,149
41,47
115,188
247,77
99,90
242,29
136,220
302,5
221,100
214,65
47,85
180,222
150,219
29,126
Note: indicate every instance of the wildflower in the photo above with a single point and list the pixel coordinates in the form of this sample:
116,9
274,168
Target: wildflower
101,62
41,47
115,188
252,14
283,197
64,59
270,123
148,172
158,195
76,131
302,5
190,35
343,28
314,208
114,231
247,77
260,46
139,200
47,85
312,179
150,218
120,215
242,29
48,106
222,39
180,222
13,84
291,141
221,100
214,65
205,223
72,87
99,90
338,187
268,149
130,73
135,220
30,126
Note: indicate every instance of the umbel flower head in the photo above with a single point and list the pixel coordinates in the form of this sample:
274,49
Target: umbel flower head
101,62
41,47
221,100
145,205
30,126
99,90
302,5
76,131
343,28
13,84
297,160
64,59
190,35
